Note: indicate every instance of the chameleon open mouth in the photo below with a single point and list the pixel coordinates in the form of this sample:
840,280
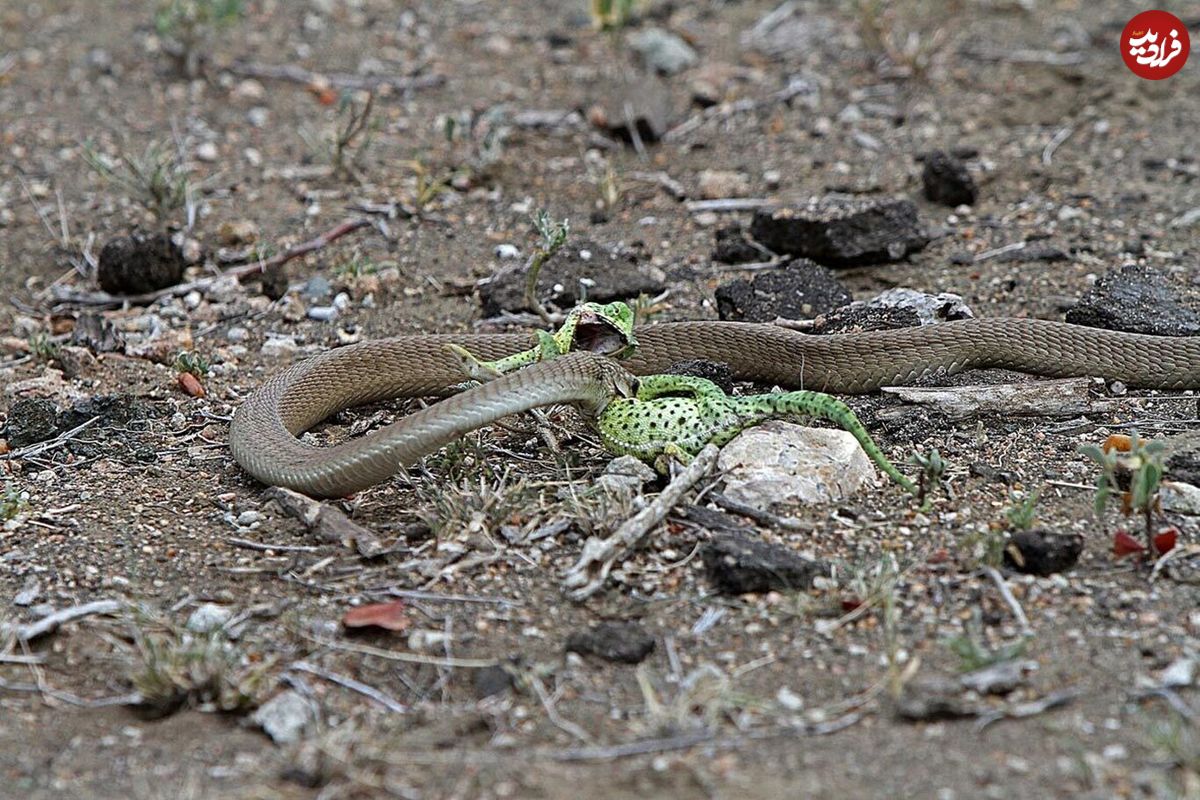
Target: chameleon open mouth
596,334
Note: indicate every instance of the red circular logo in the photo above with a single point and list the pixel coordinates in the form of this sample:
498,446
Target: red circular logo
1155,45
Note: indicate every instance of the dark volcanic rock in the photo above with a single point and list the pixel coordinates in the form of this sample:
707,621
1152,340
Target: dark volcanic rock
732,247
801,290
718,372
947,181
491,681
611,275
738,565
895,308
1136,299
139,263
1184,465
624,643
31,420
841,232
1042,552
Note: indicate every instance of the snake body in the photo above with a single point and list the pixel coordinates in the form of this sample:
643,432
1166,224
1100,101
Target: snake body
264,429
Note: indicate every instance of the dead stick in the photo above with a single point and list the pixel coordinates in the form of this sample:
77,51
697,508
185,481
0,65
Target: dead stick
290,72
595,562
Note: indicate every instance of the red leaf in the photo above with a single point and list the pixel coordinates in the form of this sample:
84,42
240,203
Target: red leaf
191,384
850,604
1124,544
1165,542
389,616
939,556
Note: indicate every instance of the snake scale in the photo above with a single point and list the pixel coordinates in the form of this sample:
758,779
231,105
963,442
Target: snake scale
264,429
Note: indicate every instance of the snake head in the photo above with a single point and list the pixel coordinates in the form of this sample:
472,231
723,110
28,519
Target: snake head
604,329
617,383
472,367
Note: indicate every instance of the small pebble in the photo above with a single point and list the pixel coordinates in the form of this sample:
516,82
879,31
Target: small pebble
207,152
322,313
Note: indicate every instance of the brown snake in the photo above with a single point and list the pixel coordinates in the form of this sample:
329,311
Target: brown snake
264,429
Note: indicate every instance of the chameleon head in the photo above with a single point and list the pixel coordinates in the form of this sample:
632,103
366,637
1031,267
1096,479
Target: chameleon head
605,329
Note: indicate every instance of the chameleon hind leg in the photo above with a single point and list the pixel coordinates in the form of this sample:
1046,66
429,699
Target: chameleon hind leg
823,406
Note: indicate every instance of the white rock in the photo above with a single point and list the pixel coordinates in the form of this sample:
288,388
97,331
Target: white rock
208,618
789,700
285,717
1181,673
1179,497
929,308
323,313
507,251
279,346
207,151
715,184
780,464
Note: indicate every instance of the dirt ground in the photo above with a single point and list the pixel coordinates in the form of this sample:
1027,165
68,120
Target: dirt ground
769,695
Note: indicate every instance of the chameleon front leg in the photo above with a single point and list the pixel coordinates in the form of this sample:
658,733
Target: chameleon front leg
484,371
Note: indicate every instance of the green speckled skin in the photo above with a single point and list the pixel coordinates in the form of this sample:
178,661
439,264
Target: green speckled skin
675,416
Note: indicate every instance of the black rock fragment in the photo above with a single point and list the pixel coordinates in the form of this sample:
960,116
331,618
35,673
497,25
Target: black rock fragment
738,565
1184,465
842,233
1037,552
139,263
732,247
624,643
801,290
947,181
31,420
491,681
610,274
718,372
1137,299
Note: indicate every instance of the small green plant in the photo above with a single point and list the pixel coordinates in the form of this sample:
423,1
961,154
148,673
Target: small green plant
12,500
42,347
911,51
158,179
608,187
1142,460
203,671
479,139
1178,744
973,654
191,361
344,145
552,236
1023,512
477,501
427,186
932,469
187,27
356,267
611,14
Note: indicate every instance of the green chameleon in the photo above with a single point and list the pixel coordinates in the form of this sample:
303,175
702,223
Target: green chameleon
672,416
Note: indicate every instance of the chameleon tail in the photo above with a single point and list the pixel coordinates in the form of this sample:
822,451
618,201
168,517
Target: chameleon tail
816,404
